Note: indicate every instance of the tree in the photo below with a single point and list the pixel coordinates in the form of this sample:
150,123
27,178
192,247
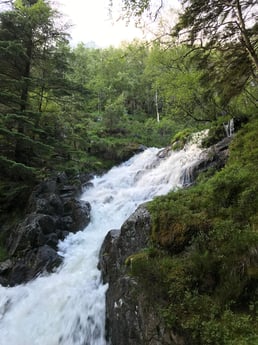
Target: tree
112,72
29,40
137,8
221,24
113,115
210,23
225,33
28,35
227,27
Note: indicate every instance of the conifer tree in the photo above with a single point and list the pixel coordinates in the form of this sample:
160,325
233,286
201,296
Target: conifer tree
29,40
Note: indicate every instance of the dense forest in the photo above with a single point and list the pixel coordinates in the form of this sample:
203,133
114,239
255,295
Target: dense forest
82,110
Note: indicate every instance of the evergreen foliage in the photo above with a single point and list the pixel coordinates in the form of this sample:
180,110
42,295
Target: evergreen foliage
28,52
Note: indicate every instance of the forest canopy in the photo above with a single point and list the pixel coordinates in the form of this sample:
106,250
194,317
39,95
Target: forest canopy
82,109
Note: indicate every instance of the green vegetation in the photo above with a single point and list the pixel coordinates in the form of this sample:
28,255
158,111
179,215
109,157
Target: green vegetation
83,110
204,256
3,251
180,139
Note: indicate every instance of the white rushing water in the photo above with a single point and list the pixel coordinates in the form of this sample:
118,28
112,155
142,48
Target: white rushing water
68,307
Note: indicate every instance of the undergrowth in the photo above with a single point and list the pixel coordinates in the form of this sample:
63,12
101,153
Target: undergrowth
204,266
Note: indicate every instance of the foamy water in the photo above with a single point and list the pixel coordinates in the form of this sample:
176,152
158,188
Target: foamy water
68,307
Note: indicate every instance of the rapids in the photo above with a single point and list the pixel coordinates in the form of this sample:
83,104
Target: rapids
67,307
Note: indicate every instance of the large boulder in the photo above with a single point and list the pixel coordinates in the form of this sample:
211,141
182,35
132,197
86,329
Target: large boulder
37,261
131,318
53,211
79,212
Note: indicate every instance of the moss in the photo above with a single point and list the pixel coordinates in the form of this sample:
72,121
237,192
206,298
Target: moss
3,253
206,239
216,133
144,255
176,220
3,249
180,139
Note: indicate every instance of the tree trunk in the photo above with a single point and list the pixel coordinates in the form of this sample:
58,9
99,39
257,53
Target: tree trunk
248,44
157,105
21,148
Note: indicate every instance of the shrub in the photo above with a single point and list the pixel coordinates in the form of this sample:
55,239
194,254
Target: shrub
205,268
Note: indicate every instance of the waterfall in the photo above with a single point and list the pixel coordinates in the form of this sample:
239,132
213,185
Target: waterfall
229,128
67,307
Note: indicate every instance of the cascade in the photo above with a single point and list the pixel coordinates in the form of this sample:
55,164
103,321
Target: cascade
229,128
67,307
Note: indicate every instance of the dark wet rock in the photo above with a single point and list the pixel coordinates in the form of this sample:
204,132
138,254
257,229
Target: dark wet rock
67,192
5,265
130,317
37,261
49,203
214,158
164,153
65,223
79,211
52,240
107,258
52,212
141,148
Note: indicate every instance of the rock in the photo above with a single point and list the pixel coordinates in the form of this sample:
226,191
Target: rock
52,212
5,265
106,252
130,317
68,191
52,240
46,223
215,157
35,262
50,204
79,211
18,274
62,178
31,232
27,235
65,223
45,258
164,153
141,148
85,178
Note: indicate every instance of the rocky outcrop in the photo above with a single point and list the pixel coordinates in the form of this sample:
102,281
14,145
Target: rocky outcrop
214,158
52,212
131,317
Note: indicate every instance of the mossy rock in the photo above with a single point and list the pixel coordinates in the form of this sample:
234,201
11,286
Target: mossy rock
176,219
216,133
180,139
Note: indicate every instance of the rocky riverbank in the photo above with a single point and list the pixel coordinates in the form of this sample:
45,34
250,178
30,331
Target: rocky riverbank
53,210
131,317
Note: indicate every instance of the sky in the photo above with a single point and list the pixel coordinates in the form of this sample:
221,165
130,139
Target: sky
92,23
